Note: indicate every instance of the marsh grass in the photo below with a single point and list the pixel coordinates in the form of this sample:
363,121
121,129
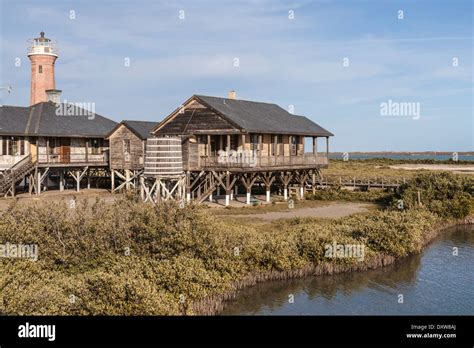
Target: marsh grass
130,258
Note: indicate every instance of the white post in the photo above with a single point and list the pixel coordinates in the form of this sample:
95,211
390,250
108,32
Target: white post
210,197
142,188
112,179
61,180
268,195
248,197
301,192
88,180
227,199
231,196
285,194
38,187
78,180
188,197
127,179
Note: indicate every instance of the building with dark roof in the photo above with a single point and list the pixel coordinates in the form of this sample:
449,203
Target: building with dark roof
214,124
227,142
53,134
127,144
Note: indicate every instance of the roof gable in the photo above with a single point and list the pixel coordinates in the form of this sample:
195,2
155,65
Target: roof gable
194,117
245,116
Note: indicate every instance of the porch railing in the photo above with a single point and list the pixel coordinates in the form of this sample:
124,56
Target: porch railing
261,161
101,158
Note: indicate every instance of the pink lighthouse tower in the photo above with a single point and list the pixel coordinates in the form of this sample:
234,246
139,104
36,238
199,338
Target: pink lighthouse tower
42,54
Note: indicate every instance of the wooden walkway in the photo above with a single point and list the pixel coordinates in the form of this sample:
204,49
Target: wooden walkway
367,183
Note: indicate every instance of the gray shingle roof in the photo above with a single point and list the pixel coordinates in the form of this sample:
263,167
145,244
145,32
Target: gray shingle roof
263,117
41,120
141,128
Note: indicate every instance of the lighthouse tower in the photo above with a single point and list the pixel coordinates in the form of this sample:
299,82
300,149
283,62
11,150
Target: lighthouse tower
42,54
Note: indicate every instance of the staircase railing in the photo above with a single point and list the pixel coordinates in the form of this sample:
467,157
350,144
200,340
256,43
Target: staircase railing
15,173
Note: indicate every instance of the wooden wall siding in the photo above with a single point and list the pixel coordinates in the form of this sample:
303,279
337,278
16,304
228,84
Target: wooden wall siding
191,155
286,145
192,120
301,146
118,160
77,151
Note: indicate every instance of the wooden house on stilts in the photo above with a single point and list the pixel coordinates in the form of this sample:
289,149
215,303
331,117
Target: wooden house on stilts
231,146
42,148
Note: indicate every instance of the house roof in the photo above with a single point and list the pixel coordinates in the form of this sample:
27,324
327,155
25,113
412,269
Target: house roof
258,117
263,117
42,120
141,129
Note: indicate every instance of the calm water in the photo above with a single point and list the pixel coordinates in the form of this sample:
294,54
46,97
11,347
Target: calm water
434,282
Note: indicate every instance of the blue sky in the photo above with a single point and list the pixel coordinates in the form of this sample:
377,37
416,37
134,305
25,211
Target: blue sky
295,62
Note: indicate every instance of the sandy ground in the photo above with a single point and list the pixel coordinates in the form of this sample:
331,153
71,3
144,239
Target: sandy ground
322,210
460,169
331,210
57,196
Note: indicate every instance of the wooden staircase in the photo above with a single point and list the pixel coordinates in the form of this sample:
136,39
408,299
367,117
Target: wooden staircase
205,188
10,177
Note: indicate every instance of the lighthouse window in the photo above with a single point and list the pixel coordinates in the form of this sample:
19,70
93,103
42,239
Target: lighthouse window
40,69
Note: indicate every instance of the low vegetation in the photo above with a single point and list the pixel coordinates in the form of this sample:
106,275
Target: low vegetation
380,167
131,258
383,197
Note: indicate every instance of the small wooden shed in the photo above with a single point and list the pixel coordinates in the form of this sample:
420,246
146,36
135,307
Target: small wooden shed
127,151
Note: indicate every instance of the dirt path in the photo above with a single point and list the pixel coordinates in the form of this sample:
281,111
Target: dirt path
56,196
334,210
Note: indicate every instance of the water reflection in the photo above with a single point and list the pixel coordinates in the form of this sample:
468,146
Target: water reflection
434,282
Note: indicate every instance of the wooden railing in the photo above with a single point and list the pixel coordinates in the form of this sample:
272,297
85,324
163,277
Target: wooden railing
11,176
82,158
262,161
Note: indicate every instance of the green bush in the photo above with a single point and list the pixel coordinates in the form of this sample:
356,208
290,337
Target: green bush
445,194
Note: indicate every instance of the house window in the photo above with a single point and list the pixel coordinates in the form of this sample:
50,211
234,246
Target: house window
13,146
281,148
294,141
54,146
40,69
254,142
273,148
234,140
96,145
126,146
3,148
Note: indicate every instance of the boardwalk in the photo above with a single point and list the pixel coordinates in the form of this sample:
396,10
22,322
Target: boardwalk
365,183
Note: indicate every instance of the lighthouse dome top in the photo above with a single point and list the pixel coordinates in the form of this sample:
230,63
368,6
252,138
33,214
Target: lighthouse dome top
42,46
